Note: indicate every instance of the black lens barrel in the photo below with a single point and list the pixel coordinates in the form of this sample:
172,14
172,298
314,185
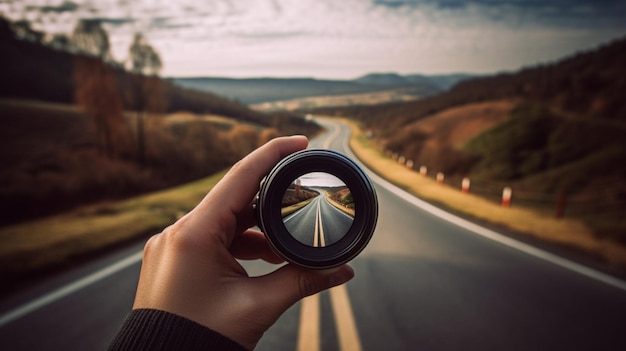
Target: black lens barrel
269,202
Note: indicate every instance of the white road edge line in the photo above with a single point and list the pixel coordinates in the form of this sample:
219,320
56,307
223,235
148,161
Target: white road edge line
487,233
332,137
69,289
338,210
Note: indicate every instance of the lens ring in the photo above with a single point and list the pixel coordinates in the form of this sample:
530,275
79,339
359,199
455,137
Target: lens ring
278,180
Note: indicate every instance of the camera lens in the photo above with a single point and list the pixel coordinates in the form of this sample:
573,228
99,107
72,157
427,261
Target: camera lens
317,208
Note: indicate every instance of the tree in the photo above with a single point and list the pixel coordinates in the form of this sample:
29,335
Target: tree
146,93
90,39
24,31
59,41
95,89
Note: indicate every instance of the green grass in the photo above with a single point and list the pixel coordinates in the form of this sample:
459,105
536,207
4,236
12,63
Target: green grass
548,151
44,243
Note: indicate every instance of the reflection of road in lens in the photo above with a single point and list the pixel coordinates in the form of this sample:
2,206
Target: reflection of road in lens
319,223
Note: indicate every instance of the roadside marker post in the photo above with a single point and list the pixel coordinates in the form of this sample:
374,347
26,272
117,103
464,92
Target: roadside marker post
440,178
507,193
465,185
423,171
401,160
409,164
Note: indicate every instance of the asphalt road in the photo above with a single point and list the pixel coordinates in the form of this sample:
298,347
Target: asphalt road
319,223
428,280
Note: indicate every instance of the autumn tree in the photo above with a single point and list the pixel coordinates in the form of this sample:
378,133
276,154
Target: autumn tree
145,94
95,89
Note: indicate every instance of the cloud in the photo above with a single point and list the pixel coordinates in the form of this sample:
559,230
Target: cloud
345,38
66,6
552,13
114,21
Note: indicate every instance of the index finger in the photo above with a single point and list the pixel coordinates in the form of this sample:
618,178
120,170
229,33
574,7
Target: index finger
234,193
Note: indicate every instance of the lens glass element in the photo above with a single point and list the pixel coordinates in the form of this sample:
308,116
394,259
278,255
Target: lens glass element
317,209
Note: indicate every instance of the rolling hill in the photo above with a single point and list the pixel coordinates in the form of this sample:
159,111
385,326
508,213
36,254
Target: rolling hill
51,149
552,131
257,90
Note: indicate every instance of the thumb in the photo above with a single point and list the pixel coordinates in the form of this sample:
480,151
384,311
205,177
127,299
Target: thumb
291,283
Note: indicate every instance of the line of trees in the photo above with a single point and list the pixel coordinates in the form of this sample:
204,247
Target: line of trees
97,89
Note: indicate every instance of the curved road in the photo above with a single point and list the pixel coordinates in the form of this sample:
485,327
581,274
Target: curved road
427,281
319,223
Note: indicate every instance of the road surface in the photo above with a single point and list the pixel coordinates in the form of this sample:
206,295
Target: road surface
319,223
428,281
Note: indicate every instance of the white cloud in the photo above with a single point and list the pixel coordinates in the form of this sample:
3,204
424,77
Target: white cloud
327,38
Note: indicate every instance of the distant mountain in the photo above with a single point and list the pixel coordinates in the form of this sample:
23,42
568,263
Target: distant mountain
384,79
445,81
256,90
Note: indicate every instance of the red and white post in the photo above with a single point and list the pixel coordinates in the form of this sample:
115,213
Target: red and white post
465,185
507,193
423,171
440,178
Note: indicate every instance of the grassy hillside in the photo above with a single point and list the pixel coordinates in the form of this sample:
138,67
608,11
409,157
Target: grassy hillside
567,111
51,162
555,133
52,153
37,72
45,244
589,85
552,151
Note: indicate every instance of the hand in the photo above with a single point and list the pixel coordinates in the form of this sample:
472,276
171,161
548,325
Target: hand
190,269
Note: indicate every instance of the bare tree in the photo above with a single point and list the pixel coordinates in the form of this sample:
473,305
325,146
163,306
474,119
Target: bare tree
145,94
95,88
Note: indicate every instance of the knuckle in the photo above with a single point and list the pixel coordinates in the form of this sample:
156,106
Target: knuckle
241,167
307,284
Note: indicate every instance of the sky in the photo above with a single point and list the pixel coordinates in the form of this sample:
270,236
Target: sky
322,179
340,39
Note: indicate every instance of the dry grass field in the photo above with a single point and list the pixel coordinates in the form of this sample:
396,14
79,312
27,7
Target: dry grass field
52,162
336,100
57,240
569,232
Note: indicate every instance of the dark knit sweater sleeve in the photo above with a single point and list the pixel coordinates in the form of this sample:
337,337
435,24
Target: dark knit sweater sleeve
146,329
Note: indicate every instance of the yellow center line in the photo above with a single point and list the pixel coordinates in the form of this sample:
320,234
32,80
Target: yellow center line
321,232
309,330
344,319
309,337
316,231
